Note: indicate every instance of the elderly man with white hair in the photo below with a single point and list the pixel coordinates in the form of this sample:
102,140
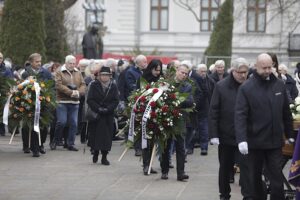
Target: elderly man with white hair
262,115
219,72
290,83
221,122
69,85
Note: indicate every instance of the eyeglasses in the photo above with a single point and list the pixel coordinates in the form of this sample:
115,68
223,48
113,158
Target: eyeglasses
241,72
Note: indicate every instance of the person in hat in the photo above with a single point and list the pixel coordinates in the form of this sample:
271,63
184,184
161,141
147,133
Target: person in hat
102,98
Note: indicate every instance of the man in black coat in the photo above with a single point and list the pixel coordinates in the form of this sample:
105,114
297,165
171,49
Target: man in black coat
221,122
262,115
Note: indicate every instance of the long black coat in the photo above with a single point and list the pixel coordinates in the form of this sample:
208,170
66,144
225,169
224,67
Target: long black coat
221,112
262,113
102,128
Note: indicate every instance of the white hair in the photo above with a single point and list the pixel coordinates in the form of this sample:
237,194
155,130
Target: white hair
139,58
220,62
110,62
201,66
69,58
84,62
237,63
283,67
212,67
187,63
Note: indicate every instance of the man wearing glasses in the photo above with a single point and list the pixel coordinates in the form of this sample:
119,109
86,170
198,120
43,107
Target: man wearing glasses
221,122
262,115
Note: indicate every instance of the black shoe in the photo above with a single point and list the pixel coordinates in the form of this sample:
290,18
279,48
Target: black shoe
26,150
145,170
72,148
66,146
164,176
152,171
95,158
53,146
42,150
138,152
182,177
105,162
224,198
204,152
35,154
2,134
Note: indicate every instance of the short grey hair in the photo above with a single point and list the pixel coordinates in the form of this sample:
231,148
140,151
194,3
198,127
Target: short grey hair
237,63
283,67
187,63
201,66
110,62
69,58
220,62
139,58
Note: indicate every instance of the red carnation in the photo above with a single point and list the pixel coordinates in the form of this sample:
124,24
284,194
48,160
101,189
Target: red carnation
153,114
152,104
175,113
172,95
136,98
147,86
155,90
165,108
135,110
143,99
142,109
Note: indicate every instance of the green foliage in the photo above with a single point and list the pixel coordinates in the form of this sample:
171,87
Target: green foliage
22,29
137,51
55,31
220,43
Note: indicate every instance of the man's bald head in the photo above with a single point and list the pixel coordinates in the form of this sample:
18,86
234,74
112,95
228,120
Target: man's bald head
264,65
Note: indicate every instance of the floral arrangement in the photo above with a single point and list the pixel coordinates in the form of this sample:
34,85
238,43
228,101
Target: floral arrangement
22,104
295,109
5,85
156,106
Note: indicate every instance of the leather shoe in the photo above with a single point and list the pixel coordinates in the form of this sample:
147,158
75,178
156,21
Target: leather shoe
35,154
164,176
152,171
182,177
42,150
95,158
203,152
105,162
53,146
72,148
26,150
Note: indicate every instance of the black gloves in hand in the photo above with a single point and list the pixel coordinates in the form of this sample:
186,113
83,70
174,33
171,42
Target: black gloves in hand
102,110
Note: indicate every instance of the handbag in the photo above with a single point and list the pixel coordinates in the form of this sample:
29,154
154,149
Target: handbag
90,115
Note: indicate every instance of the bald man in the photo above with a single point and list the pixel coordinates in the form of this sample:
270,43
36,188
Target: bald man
262,115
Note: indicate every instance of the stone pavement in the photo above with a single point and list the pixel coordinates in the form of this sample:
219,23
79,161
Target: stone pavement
66,175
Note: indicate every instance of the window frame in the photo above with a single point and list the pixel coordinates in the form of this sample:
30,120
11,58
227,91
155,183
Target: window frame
159,8
209,10
258,10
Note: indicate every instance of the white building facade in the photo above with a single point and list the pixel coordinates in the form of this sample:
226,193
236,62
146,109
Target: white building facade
166,26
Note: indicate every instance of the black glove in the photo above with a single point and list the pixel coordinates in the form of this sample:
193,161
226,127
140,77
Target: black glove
102,110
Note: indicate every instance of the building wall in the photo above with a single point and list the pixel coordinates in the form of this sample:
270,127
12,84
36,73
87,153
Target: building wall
128,26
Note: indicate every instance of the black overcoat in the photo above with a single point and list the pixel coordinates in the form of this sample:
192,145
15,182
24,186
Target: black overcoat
102,128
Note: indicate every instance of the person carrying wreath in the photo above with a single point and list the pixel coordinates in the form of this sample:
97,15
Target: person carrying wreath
102,98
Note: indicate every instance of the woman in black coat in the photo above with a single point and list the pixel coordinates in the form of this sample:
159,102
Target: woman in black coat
151,74
102,98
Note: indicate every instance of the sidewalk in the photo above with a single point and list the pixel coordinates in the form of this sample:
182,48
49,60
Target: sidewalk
66,175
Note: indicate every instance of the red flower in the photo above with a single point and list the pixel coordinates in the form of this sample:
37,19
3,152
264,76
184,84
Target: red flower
142,109
165,124
165,108
143,99
175,113
135,110
147,86
155,90
152,104
172,95
153,114
151,125
136,98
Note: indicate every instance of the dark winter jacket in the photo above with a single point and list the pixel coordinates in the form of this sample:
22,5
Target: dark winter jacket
4,71
291,87
262,113
215,77
103,127
131,76
221,112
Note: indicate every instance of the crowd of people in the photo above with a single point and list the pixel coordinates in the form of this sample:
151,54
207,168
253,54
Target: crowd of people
244,110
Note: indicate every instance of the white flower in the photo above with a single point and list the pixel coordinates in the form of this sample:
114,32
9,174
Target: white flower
292,105
298,108
297,100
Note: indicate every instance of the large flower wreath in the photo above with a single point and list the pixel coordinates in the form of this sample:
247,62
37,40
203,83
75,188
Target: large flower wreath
26,109
155,113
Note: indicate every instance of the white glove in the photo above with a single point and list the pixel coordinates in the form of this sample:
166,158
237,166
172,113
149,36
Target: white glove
214,141
290,141
243,148
75,94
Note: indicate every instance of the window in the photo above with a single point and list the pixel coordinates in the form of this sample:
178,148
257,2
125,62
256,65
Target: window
209,13
159,14
256,16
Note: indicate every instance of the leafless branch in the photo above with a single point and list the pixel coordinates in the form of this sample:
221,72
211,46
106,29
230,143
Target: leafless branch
187,5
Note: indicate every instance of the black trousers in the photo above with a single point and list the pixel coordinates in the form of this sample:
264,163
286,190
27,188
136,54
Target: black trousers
180,156
34,140
251,166
146,153
226,159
